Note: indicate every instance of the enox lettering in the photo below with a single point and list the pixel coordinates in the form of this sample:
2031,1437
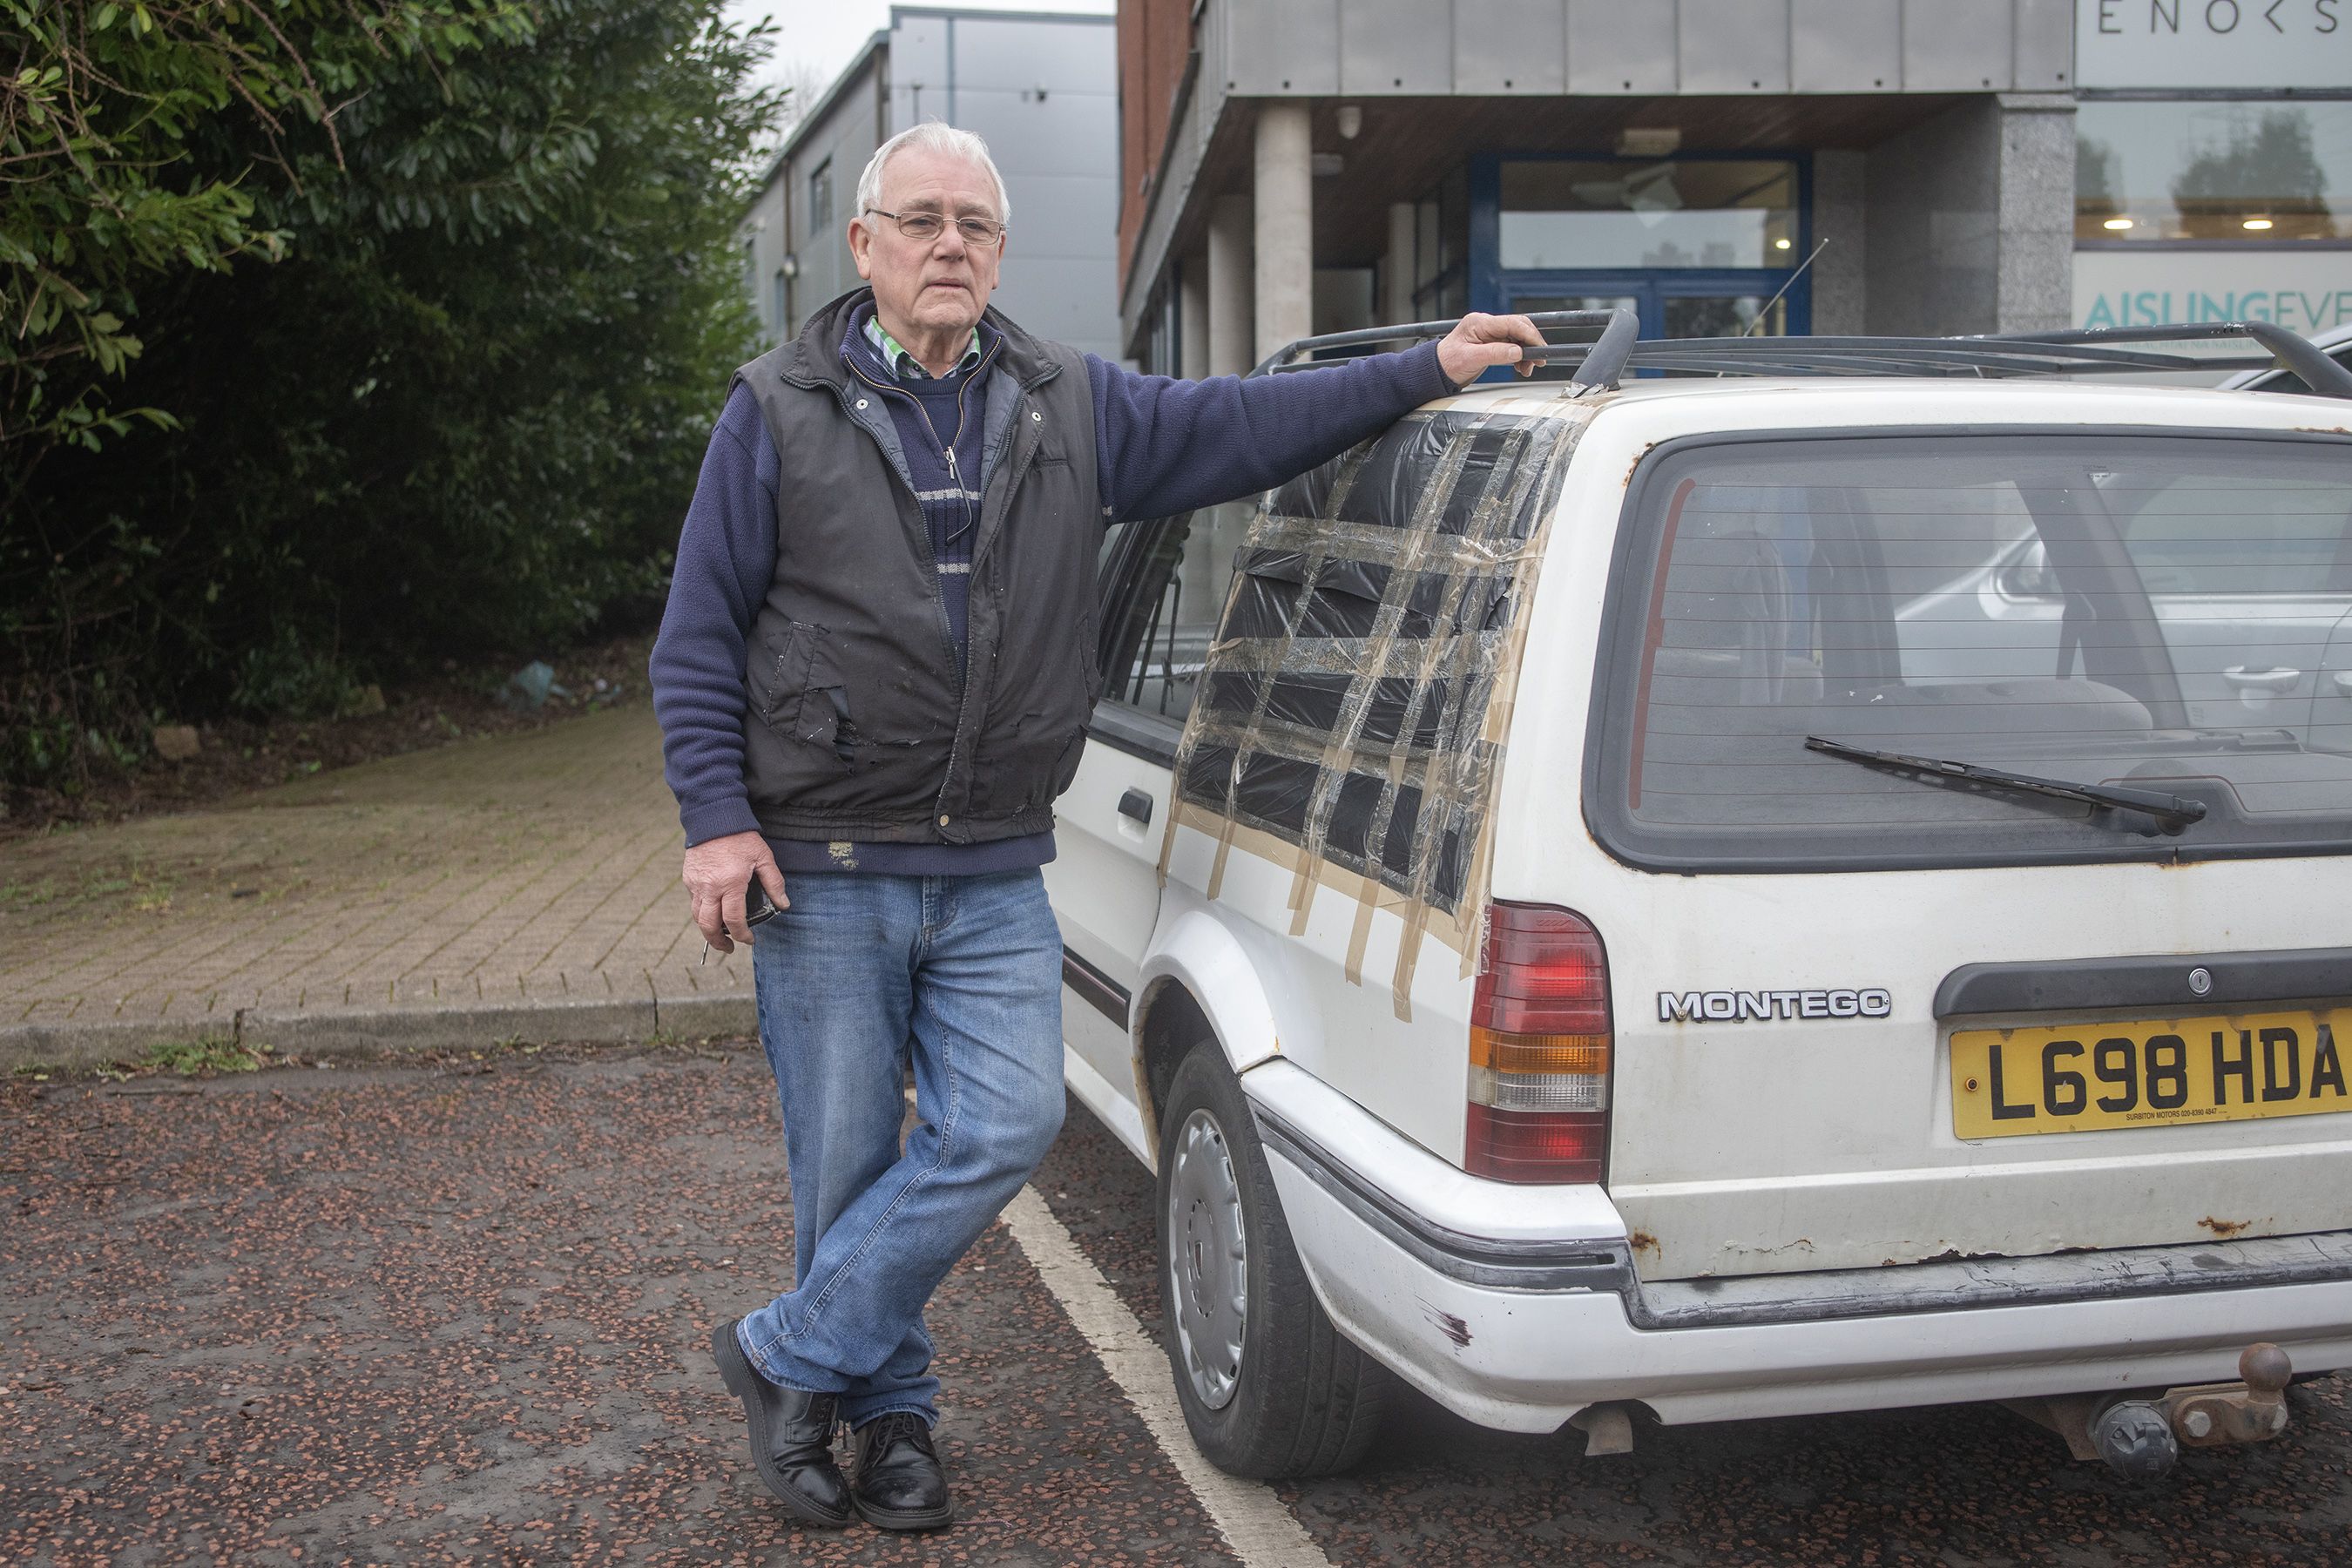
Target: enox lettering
2220,17
1740,1007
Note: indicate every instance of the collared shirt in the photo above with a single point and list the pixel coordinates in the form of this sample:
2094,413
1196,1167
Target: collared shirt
906,366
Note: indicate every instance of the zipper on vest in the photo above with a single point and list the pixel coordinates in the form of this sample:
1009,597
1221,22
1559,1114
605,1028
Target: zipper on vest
948,447
938,598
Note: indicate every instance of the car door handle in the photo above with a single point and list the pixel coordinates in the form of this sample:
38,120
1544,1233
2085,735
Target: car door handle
2261,680
1137,805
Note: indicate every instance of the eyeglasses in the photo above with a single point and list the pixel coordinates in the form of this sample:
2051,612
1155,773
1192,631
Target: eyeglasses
980,231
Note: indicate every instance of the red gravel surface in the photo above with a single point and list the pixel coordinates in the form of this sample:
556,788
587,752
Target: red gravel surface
438,1314
442,1314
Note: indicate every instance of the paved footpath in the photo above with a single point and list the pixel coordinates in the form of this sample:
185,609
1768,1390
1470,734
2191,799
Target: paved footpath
395,1313
517,886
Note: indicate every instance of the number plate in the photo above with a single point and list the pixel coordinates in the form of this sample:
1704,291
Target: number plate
2085,1077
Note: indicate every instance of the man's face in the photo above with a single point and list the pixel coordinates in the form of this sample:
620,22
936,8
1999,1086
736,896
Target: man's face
940,284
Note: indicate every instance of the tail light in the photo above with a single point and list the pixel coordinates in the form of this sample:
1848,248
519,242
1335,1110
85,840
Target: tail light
1539,1049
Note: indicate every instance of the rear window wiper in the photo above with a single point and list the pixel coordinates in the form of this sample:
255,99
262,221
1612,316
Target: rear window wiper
2172,812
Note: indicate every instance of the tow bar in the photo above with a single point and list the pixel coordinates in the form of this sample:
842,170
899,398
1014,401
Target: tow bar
2142,1437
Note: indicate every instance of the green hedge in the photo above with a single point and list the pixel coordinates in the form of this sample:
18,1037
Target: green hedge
350,335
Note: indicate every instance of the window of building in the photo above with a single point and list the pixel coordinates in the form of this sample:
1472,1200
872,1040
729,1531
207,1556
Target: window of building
2211,170
1445,249
782,320
1676,213
821,195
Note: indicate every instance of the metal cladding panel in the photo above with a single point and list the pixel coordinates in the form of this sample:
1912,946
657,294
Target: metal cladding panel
844,140
1066,302
1395,46
1845,45
1061,215
995,52
2045,45
918,70
1062,133
1274,47
1956,46
1618,46
1734,46
1510,45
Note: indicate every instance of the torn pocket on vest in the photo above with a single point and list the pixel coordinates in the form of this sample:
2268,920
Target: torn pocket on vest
804,700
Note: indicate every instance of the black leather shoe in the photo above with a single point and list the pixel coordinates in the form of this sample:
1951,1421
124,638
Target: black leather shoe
900,1484
792,1436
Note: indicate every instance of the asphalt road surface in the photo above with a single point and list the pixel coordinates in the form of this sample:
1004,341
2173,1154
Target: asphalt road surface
458,1311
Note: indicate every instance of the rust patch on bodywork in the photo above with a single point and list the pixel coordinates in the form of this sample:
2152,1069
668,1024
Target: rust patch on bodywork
1642,1241
2224,1228
1452,1327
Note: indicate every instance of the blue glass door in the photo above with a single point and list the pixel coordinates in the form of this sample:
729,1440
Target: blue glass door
1698,247
1678,305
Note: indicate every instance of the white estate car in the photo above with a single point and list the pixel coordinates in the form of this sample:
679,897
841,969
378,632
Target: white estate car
1603,899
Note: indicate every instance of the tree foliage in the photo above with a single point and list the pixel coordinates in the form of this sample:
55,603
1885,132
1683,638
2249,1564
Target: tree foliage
427,305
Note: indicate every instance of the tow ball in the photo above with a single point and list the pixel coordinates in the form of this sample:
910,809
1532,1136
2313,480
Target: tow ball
2144,1437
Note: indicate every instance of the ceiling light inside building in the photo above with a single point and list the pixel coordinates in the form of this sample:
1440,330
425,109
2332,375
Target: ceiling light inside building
1779,245
2119,223
2258,223
1351,121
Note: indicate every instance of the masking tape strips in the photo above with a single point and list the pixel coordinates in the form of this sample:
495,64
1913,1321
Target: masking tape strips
1353,705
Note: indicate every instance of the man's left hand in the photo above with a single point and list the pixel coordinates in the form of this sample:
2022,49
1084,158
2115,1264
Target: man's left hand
1479,341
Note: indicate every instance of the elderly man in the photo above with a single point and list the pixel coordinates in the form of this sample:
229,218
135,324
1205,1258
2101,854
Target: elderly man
873,678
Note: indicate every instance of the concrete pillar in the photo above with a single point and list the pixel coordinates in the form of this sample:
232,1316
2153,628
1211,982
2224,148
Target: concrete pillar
1284,204
1192,317
2036,278
1231,319
1971,219
1840,295
1397,268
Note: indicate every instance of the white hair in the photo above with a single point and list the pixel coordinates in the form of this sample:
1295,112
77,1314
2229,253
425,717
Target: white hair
932,136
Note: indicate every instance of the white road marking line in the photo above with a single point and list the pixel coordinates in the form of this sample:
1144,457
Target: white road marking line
1262,1533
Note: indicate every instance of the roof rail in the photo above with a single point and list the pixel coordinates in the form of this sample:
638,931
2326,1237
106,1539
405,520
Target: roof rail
1601,365
2289,350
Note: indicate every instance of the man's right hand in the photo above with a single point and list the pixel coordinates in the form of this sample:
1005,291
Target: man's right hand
718,872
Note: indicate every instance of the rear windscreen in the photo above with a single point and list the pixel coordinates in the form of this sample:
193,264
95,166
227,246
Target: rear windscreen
2167,616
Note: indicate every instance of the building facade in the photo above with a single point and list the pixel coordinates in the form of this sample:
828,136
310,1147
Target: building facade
1894,166
1041,88
2213,143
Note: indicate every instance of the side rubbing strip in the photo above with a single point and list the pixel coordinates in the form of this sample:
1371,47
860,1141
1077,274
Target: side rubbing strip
1097,990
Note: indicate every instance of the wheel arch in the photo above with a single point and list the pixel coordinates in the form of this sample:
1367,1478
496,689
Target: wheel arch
1201,980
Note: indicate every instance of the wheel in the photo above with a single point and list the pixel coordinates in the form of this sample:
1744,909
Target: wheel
1270,1389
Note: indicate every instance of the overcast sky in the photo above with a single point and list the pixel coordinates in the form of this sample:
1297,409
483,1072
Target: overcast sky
823,36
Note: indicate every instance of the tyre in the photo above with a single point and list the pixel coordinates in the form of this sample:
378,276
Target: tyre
1270,1389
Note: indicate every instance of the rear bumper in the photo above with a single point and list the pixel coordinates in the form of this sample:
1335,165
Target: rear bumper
1464,1294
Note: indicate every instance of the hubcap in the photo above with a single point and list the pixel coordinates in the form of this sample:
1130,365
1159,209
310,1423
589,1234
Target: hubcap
1208,1255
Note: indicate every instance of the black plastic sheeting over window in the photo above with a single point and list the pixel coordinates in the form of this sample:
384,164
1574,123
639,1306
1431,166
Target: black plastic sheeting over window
1344,708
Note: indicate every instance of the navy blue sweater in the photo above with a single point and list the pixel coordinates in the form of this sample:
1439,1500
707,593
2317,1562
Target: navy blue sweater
1162,446
940,421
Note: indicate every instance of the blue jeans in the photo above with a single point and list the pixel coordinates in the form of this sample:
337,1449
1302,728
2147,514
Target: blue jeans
861,973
